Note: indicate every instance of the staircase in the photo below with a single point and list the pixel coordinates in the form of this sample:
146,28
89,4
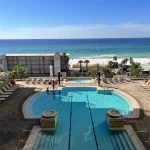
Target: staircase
122,141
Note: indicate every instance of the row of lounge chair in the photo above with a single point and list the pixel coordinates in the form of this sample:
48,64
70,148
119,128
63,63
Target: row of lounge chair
38,81
6,90
114,80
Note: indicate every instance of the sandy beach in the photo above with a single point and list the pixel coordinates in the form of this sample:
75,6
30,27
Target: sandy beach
104,61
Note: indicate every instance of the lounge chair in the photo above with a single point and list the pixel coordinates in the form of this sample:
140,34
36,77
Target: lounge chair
110,80
6,90
28,81
12,87
34,81
146,87
105,80
2,99
115,79
121,80
3,95
147,84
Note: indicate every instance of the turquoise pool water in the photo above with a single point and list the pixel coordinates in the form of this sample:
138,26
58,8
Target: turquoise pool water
81,116
80,81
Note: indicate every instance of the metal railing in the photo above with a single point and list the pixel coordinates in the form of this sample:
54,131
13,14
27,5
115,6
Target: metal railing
132,135
38,135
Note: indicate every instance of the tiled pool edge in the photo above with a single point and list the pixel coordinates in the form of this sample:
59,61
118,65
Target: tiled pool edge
25,110
135,114
32,138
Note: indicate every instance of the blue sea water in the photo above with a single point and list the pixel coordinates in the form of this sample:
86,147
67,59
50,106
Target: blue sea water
81,48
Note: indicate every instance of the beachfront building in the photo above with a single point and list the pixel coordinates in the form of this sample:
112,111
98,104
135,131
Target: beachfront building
146,68
36,63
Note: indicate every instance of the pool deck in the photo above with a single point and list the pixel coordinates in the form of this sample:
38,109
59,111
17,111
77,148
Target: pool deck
12,121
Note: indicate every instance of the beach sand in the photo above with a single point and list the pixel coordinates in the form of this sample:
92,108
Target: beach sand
104,61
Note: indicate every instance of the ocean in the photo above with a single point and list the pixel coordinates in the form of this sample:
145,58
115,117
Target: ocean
81,48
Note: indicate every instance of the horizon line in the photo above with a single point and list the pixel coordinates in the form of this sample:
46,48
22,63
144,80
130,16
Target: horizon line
78,38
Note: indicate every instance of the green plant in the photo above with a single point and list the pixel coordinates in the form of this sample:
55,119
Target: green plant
110,64
135,70
80,62
66,60
19,72
73,73
115,58
124,61
86,62
131,60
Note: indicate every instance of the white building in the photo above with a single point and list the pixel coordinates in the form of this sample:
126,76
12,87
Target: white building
36,63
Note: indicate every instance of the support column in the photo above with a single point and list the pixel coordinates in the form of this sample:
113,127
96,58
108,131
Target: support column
43,65
99,78
30,65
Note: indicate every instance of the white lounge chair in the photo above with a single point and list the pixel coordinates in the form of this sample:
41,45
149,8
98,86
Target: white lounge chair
3,95
12,87
2,99
110,80
105,80
147,84
115,79
5,92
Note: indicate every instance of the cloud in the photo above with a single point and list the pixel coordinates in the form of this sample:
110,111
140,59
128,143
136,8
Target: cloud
78,31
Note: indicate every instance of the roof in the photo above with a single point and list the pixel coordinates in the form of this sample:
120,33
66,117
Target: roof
35,54
30,54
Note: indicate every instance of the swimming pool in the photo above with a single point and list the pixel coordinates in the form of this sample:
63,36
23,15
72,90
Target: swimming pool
81,117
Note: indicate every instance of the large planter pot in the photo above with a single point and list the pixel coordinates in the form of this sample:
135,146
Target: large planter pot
13,82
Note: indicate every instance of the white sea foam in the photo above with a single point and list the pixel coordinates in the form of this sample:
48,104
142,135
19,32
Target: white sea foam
99,56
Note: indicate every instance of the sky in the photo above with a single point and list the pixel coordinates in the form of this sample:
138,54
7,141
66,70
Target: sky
60,19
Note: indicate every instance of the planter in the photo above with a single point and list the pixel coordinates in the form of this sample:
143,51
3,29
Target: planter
13,82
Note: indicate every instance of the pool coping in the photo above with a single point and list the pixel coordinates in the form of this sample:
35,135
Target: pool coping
135,113
135,139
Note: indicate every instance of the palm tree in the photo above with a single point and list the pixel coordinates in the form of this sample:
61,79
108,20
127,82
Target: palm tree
110,64
80,62
97,66
124,61
66,60
115,58
52,63
131,60
136,70
86,62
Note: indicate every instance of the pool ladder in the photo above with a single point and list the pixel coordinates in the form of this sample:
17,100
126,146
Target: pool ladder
146,138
